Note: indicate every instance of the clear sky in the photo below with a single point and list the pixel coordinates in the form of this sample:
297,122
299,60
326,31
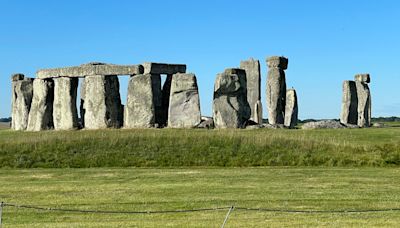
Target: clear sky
326,42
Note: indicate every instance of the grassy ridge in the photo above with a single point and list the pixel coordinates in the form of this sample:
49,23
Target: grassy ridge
138,189
178,147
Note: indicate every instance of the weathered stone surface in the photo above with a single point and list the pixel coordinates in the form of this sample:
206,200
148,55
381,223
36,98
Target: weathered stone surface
273,126
41,113
206,122
362,78
276,89
144,96
253,76
162,113
90,69
22,92
349,114
184,104
163,68
65,114
331,124
230,106
291,109
378,125
82,109
102,102
17,77
364,104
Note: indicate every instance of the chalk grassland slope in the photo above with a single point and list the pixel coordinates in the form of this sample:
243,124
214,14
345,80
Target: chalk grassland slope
178,147
138,189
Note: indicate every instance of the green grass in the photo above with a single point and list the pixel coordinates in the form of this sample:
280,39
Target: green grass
130,189
179,147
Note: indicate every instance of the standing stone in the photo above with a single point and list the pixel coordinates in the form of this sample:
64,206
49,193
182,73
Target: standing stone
166,92
276,89
144,95
82,109
364,100
22,92
253,76
184,105
65,114
102,102
230,106
291,108
349,114
41,113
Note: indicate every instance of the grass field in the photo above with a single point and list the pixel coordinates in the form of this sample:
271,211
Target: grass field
179,147
131,189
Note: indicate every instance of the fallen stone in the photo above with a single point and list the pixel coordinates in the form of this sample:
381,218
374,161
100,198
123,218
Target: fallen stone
253,127
253,76
41,113
324,124
276,89
90,69
365,78
163,68
349,114
65,114
230,106
102,105
274,126
378,125
184,104
144,92
364,104
206,122
22,92
291,109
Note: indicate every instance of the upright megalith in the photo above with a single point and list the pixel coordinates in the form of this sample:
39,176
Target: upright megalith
230,106
291,109
276,89
65,114
82,109
22,92
144,97
41,113
253,76
364,100
184,105
102,102
349,114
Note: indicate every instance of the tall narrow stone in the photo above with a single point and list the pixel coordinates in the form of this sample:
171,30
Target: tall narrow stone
184,105
291,108
41,113
82,109
276,89
230,106
349,114
65,114
102,102
364,100
22,92
144,95
166,92
253,76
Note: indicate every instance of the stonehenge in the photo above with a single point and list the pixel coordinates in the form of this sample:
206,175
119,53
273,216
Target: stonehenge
65,113
291,109
276,89
22,93
253,77
230,106
356,101
41,112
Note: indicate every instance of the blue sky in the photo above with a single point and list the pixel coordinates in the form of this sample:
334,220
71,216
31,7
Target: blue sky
326,42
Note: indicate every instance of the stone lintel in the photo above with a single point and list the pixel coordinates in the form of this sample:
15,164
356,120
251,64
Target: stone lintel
277,62
90,69
362,78
163,68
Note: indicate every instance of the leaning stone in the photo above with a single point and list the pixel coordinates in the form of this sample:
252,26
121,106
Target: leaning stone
324,124
22,92
144,91
276,89
163,68
65,114
253,76
364,104
230,106
41,113
291,109
349,114
184,104
362,78
102,105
